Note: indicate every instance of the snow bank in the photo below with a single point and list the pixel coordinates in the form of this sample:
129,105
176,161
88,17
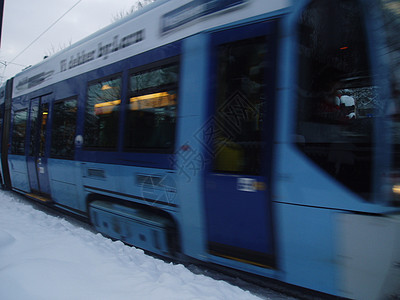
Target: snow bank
46,257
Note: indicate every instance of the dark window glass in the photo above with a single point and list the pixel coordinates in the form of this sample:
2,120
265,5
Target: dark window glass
1,122
337,103
391,51
156,78
43,127
34,122
102,113
18,132
391,22
64,125
239,107
151,112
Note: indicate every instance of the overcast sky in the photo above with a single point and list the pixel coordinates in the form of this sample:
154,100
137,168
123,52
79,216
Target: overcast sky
25,20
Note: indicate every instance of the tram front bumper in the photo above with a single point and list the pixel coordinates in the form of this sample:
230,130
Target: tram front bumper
369,256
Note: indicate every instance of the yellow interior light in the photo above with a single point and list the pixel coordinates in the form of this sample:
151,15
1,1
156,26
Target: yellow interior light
150,96
104,108
107,104
154,100
396,189
106,87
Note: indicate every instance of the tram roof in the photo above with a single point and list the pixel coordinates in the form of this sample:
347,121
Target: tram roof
160,23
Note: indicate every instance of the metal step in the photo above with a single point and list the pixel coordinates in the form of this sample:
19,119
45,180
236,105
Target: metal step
40,198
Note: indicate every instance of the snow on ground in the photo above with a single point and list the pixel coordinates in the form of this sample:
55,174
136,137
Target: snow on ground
47,257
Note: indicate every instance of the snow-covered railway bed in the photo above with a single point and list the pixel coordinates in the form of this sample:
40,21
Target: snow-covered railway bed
46,255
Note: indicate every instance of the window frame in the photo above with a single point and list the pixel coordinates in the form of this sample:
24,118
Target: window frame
234,127
51,154
111,77
347,154
26,110
174,60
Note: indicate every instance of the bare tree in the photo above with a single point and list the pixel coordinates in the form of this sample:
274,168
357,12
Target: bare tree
135,7
53,49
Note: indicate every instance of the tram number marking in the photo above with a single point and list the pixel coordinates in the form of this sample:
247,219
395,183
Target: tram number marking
250,185
246,184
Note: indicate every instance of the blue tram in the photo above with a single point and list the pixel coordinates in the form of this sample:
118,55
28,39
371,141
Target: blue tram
262,136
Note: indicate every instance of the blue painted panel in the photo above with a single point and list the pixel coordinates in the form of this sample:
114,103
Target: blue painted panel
307,245
43,175
154,187
19,172
189,158
65,183
238,218
307,184
32,173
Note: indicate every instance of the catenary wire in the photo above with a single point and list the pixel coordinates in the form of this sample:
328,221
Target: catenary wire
54,23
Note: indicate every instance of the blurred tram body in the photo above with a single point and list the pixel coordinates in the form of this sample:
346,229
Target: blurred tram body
262,136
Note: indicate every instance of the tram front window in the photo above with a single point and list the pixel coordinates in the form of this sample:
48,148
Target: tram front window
391,21
336,100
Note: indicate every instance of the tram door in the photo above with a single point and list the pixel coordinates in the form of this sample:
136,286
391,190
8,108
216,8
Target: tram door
237,197
37,161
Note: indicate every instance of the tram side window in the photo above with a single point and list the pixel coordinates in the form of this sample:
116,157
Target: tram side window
1,121
63,132
34,124
18,132
239,107
336,100
102,113
151,112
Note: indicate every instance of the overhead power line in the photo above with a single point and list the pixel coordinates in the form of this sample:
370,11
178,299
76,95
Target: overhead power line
6,63
54,23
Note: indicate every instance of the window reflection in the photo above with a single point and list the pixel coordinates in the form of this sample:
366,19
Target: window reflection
18,132
102,113
151,113
337,102
239,107
34,124
391,22
155,78
43,127
64,124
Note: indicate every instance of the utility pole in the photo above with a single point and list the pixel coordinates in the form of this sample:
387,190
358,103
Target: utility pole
1,17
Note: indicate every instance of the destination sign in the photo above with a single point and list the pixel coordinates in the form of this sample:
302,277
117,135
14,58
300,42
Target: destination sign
103,50
195,10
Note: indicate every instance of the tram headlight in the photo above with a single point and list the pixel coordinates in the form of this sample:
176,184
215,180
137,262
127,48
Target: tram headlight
396,194
396,189
392,187
395,185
